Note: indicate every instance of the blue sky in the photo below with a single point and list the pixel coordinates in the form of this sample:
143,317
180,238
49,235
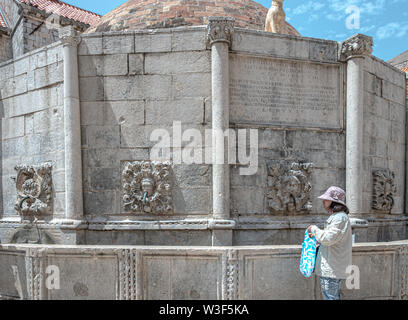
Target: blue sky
385,20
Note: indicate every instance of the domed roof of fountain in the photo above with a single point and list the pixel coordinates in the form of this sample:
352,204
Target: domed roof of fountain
153,14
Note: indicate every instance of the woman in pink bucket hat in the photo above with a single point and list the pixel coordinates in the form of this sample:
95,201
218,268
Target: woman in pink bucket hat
335,254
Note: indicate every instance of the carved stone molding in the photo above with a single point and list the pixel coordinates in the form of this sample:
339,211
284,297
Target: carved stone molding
231,269
357,45
147,187
127,274
403,272
289,187
34,274
384,190
220,29
34,189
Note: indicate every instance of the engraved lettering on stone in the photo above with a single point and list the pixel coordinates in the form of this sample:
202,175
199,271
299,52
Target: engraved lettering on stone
289,187
284,92
384,190
147,187
34,188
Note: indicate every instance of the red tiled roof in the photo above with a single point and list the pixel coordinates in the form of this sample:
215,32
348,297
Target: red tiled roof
151,14
2,21
65,10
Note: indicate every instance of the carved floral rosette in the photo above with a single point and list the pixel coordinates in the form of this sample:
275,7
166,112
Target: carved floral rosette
147,187
34,189
384,190
289,187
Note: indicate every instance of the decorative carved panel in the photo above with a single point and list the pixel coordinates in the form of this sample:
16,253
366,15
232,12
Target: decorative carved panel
34,189
147,187
403,272
289,187
384,190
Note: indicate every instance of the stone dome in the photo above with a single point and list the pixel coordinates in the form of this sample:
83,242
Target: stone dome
152,14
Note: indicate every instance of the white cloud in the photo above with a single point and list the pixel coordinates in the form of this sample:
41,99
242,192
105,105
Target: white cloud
372,7
392,29
367,28
313,17
310,6
335,16
341,36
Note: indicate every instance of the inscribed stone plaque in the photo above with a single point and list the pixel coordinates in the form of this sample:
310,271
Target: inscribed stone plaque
268,91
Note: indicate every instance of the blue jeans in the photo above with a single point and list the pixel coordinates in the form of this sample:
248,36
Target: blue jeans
330,288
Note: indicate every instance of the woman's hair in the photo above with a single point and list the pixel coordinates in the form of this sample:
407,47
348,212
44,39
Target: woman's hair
338,207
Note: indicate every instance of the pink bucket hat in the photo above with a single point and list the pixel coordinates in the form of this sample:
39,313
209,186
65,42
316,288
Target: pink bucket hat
335,194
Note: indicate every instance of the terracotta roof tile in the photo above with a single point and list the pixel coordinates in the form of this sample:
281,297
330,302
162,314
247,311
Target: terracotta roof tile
2,20
151,14
65,10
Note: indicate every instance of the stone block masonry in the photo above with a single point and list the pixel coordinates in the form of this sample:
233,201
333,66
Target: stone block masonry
290,90
139,82
193,273
31,93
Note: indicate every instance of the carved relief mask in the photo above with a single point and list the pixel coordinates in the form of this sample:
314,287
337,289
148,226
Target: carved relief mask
147,188
384,190
289,187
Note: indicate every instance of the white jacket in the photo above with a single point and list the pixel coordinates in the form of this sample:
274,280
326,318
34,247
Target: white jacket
335,253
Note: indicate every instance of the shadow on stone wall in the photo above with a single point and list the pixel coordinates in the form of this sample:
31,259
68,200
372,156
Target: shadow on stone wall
1,156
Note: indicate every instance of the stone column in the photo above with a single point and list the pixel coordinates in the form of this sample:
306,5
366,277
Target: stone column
72,126
220,30
354,50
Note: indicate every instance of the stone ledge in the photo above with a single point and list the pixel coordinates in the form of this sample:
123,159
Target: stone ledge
153,272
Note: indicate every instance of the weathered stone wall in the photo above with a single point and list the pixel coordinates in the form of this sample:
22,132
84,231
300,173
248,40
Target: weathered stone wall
288,88
31,94
297,106
291,90
38,34
130,85
186,273
5,48
384,129
10,9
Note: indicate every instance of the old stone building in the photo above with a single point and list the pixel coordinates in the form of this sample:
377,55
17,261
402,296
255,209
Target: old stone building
26,25
83,188
401,62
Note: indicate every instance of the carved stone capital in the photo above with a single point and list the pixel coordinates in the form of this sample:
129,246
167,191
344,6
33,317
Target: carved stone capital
68,36
220,29
357,45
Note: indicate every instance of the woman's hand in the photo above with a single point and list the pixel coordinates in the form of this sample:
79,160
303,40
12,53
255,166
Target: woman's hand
309,229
